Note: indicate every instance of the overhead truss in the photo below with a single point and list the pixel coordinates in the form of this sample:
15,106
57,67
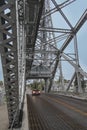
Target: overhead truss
46,50
29,47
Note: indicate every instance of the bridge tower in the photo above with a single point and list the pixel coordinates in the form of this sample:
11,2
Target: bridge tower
29,48
46,47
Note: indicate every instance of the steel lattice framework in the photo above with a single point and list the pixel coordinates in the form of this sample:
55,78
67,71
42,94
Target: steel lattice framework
9,54
28,46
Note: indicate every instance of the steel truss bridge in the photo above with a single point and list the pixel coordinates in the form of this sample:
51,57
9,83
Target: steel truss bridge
29,48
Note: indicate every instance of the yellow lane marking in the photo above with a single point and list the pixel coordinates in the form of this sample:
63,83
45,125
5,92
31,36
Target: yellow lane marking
68,106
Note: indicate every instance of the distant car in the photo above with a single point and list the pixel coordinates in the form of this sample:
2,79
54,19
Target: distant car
35,92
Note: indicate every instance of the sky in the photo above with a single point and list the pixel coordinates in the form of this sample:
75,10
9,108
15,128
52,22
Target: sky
73,12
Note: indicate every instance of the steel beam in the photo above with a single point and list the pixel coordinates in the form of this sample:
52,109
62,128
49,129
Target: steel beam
70,82
54,71
77,27
21,53
51,11
9,55
57,30
61,12
79,24
78,69
33,11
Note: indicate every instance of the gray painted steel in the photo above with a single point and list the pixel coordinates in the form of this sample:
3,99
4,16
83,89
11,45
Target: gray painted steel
28,47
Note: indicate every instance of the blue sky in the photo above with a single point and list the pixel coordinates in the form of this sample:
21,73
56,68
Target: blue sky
73,12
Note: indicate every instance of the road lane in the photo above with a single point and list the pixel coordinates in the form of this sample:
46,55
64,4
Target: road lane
68,105
74,108
60,113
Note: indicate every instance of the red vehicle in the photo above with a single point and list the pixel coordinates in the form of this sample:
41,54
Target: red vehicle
35,92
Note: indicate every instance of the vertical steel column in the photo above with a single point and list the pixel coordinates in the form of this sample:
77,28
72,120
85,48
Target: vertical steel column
61,76
46,85
9,56
78,87
46,22
21,48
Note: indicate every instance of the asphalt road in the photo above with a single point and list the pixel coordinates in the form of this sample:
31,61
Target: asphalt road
58,112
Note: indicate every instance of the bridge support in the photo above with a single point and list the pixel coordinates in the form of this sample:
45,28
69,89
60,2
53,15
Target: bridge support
9,56
46,85
78,77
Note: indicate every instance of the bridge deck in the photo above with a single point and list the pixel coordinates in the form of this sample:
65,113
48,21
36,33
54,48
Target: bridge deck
49,112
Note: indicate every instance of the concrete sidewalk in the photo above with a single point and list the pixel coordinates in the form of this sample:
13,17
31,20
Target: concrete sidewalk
82,96
3,117
25,117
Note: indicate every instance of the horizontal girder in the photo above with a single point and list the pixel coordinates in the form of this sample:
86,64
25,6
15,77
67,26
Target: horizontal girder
32,18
